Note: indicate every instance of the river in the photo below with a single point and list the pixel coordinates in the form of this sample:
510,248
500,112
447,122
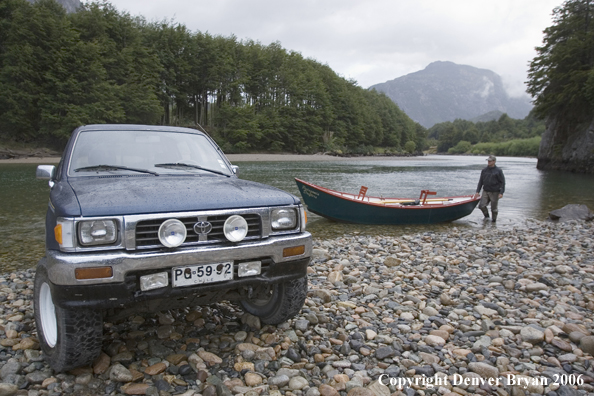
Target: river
530,194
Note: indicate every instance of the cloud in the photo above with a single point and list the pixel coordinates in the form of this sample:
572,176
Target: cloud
376,40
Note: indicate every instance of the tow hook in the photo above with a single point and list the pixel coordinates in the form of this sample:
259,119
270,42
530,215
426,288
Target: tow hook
250,292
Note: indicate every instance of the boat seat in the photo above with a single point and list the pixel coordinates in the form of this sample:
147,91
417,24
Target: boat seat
362,193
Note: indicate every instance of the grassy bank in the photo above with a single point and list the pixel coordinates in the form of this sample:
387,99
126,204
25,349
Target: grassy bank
511,148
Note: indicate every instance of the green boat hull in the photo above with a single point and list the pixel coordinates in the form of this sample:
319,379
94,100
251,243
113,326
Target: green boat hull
345,210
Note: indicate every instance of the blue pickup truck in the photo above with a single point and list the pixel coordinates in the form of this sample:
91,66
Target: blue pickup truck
148,218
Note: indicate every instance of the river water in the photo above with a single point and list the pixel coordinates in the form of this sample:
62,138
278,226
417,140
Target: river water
530,194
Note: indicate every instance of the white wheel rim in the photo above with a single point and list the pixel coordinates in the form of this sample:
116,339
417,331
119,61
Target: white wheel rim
47,312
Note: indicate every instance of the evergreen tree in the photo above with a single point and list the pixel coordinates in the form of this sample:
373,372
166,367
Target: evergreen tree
561,76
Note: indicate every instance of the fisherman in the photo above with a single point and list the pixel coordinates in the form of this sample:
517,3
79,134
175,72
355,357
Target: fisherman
492,182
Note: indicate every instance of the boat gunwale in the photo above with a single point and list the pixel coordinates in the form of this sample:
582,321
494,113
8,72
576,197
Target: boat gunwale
427,205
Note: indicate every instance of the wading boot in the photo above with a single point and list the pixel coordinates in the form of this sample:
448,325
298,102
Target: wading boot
485,212
494,217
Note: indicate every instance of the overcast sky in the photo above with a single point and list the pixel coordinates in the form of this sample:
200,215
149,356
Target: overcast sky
375,41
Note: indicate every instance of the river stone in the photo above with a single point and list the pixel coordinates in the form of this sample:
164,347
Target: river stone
252,379
445,299
101,364
561,344
568,358
279,380
317,253
156,369
430,311
370,334
136,389
536,286
323,295
392,262
301,325
335,276
37,377
531,335
484,370
433,340
384,352
529,384
119,373
298,383
587,344
408,316
440,333
239,367
379,389
8,389
572,212
11,367
481,310
210,357
360,391
482,342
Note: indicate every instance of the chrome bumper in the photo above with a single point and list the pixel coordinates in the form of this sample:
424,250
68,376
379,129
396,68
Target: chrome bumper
61,266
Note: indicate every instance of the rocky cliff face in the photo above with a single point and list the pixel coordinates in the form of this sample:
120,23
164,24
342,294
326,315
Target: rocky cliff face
444,91
569,148
69,5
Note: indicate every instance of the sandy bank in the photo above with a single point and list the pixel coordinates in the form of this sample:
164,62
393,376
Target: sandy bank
234,158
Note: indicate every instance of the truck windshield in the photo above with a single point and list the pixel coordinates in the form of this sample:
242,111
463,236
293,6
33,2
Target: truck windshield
140,151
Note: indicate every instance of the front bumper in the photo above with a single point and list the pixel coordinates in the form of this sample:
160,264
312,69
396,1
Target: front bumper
122,288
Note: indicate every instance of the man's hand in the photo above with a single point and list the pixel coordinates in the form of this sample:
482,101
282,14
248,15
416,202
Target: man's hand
476,195
500,196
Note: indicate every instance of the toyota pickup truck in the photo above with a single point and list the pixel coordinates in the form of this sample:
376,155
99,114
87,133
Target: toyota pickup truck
147,218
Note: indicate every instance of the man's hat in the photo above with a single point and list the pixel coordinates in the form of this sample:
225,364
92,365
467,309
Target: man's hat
491,158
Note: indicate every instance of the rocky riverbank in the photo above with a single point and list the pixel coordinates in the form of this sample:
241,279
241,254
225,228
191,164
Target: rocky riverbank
456,313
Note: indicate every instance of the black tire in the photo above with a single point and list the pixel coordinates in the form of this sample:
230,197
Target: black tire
69,338
285,301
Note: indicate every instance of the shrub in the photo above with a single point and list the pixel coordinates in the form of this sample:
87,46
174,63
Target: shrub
410,147
462,147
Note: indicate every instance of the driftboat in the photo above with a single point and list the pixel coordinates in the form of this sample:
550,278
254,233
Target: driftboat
363,209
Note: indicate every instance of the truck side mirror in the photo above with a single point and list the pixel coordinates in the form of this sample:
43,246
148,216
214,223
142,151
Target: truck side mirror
46,172
235,169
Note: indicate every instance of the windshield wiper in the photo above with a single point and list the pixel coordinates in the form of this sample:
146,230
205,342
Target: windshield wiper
184,165
114,167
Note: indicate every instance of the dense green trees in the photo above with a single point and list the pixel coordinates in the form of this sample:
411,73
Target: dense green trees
459,136
561,76
58,71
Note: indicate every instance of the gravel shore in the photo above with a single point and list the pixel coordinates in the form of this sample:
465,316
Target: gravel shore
502,312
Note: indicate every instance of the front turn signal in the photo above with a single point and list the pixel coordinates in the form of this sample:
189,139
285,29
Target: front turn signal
294,251
93,273
58,233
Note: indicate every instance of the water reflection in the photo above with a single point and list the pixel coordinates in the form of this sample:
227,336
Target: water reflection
530,194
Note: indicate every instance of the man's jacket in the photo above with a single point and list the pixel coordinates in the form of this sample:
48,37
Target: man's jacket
492,180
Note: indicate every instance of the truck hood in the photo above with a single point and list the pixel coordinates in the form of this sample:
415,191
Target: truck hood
123,195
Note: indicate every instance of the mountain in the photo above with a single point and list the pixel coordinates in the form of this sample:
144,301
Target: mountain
69,5
445,91
490,116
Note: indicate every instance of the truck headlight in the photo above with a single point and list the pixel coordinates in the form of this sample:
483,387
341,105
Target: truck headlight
235,228
283,219
172,233
97,232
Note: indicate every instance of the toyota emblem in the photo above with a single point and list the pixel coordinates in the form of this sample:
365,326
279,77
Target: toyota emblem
202,227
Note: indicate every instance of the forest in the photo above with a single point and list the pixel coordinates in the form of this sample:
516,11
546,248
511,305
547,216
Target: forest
99,65
504,136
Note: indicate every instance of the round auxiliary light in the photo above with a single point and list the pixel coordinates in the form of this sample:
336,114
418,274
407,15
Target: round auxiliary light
235,228
172,233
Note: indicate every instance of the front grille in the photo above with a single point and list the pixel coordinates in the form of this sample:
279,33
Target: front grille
147,231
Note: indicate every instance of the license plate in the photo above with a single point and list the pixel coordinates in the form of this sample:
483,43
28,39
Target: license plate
200,274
